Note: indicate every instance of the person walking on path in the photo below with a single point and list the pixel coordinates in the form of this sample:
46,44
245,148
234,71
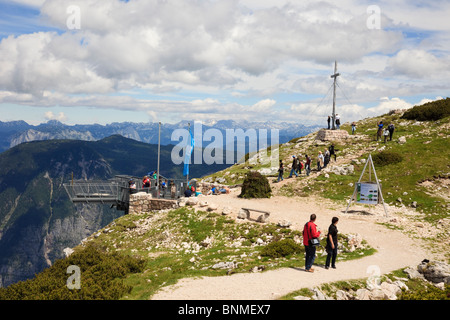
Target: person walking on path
391,129
380,130
280,171
353,128
326,158
299,165
294,167
309,232
332,244
332,152
386,134
308,165
320,161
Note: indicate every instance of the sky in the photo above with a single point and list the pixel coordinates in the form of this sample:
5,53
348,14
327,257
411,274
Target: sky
104,61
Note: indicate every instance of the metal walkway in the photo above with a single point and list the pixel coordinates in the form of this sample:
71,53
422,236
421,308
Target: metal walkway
116,191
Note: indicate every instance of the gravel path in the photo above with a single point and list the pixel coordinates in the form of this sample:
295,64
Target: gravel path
395,250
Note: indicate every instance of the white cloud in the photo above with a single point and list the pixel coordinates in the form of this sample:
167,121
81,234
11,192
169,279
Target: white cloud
60,117
183,56
419,63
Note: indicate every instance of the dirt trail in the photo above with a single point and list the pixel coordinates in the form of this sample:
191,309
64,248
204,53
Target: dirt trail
395,250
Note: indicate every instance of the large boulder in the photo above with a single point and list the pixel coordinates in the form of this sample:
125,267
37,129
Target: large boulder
435,271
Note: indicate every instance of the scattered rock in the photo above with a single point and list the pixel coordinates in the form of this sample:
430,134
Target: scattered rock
226,211
402,140
242,214
284,223
363,294
212,207
68,252
192,201
341,295
203,204
435,271
224,265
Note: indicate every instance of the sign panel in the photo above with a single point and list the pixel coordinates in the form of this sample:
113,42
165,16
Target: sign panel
367,193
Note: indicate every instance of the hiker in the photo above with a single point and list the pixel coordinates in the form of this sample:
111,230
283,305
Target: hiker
132,186
332,244
320,161
308,165
380,130
391,129
328,121
294,167
332,151
326,158
299,165
173,189
280,171
309,232
145,182
386,134
338,121
353,128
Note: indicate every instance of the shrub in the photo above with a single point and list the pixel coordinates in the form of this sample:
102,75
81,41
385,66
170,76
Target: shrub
101,275
429,292
281,248
255,186
385,158
430,111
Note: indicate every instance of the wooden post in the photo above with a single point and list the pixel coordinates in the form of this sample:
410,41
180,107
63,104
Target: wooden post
159,151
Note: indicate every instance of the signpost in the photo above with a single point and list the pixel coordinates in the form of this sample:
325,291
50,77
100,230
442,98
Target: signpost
368,192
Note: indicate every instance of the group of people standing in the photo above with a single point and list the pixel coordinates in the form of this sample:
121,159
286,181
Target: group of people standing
337,121
297,165
385,131
311,240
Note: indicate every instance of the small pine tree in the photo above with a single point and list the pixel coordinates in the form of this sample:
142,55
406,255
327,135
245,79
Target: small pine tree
255,186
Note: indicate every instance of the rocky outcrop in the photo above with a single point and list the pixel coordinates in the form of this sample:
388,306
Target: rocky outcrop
436,272
144,202
332,135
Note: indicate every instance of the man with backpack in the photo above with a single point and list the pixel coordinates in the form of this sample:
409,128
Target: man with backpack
391,129
310,241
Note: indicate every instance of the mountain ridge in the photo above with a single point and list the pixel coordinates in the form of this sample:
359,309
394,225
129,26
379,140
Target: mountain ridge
16,132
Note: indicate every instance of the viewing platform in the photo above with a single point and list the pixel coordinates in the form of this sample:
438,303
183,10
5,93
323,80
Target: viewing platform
117,192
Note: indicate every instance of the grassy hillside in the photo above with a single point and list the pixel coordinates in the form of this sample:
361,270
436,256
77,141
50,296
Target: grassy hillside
421,176
148,251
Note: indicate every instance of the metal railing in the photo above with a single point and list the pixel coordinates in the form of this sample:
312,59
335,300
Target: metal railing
117,191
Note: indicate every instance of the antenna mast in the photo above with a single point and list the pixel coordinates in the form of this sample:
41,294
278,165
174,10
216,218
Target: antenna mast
335,75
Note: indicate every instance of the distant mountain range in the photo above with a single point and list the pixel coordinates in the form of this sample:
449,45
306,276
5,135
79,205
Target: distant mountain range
16,132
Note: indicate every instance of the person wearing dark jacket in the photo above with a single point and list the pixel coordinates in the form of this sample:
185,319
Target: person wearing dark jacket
391,129
332,244
280,171
294,167
332,151
308,165
310,232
